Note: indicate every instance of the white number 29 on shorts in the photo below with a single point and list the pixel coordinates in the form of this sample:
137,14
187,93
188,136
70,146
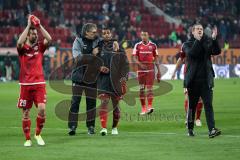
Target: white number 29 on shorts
22,103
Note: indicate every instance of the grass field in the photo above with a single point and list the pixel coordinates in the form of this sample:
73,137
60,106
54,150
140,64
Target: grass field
162,136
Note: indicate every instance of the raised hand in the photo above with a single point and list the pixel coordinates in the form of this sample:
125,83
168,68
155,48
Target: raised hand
214,32
35,21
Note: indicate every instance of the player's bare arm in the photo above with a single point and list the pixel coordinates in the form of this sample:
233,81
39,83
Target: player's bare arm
135,60
24,34
156,59
46,35
179,62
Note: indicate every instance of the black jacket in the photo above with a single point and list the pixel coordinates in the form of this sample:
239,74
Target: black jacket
119,68
85,63
198,55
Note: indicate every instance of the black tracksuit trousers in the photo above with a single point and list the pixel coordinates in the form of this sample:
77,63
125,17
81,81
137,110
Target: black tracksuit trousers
90,115
200,89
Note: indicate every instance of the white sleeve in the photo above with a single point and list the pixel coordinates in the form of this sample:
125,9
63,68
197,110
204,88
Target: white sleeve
134,53
155,51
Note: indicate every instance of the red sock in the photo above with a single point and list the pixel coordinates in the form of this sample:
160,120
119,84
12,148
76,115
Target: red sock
143,100
199,110
103,115
186,105
26,125
40,122
150,98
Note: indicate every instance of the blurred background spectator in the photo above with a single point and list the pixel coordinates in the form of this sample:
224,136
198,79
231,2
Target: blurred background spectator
8,66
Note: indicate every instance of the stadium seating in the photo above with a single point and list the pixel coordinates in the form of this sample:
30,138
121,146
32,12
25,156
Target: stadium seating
73,9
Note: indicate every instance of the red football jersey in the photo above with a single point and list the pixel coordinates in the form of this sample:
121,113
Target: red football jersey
30,58
146,54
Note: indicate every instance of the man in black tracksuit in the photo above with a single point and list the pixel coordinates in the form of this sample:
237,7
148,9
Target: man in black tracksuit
84,77
199,75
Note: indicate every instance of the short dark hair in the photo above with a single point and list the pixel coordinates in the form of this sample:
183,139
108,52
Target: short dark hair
31,28
87,28
196,24
106,28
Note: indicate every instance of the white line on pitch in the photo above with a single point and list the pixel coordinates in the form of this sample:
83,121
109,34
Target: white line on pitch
126,133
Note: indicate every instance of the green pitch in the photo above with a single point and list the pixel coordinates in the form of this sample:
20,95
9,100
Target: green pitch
158,137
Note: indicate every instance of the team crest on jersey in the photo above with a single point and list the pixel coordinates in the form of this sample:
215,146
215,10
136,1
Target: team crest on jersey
141,47
150,47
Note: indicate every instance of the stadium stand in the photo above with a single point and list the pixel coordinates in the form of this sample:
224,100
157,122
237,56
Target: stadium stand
63,19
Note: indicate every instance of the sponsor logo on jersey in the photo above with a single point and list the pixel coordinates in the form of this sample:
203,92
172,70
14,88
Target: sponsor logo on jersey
145,52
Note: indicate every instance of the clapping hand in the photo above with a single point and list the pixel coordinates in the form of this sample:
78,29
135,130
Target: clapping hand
214,32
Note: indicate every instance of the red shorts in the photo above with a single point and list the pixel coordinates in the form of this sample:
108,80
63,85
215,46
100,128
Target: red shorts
146,78
31,93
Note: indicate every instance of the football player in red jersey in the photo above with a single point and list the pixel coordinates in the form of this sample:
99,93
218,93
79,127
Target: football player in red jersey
31,77
144,53
199,107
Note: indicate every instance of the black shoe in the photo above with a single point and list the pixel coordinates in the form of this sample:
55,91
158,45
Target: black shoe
190,133
214,132
150,110
91,130
72,132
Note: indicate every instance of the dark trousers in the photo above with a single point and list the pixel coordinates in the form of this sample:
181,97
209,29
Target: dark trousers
90,115
200,89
